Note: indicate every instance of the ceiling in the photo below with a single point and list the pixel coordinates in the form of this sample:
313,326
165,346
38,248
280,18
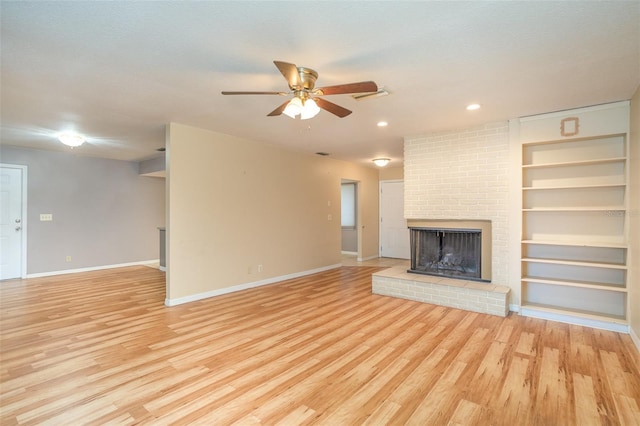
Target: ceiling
119,71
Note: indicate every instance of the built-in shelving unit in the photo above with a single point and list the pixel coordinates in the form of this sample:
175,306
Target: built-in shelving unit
574,218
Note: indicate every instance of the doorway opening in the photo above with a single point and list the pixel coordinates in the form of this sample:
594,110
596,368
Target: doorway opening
349,217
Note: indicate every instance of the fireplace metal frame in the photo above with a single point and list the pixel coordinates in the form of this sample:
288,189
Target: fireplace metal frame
476,232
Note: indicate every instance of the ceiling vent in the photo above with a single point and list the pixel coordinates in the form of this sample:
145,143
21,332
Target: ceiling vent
361,96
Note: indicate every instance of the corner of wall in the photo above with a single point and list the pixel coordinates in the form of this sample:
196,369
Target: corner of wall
634,219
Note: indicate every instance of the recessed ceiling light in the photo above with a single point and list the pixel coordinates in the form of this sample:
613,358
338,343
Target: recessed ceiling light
382,124
71,139
473,107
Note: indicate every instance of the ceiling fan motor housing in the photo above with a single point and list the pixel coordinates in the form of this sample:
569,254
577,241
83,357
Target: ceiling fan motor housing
308,78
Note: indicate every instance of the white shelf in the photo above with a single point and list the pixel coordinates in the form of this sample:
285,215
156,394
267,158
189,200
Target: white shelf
590,315
594,244
577,209
607,185
574,219
574,263
576,163
580,284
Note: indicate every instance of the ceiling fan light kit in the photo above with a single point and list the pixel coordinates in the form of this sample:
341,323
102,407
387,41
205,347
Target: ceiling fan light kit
293,108
309,110
307,101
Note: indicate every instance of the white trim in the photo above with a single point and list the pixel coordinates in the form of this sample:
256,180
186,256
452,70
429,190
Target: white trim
561,113
360,259
93,268
24,196
634,338
569,319
353,253
245,286
514,307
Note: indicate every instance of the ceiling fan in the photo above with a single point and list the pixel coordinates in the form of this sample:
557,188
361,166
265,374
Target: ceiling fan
307,100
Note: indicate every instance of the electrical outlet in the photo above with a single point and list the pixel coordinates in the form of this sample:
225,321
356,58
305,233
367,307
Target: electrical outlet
329,217
68,259
259,268
46,217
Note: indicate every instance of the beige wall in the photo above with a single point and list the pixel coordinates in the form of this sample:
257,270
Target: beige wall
634,219
234,204
391,173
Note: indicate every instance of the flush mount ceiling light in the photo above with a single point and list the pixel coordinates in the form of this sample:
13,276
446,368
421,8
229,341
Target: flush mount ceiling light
473,107
381,162
71,139
382,124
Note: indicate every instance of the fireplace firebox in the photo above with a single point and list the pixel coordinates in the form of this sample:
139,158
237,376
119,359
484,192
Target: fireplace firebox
453,253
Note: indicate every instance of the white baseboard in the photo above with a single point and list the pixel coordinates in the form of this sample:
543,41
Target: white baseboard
363,259
514,308
245,286
634,338
92,268
351,253
569,319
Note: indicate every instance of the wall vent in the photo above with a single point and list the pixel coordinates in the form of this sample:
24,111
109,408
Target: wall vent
361,96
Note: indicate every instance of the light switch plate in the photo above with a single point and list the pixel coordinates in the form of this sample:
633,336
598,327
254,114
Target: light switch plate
45,217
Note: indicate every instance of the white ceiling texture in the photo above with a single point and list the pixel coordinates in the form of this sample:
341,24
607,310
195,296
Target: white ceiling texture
117,72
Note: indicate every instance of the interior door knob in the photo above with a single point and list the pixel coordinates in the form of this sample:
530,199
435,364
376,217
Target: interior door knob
18,228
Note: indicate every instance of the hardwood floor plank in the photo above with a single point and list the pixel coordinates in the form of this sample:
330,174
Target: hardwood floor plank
586,405
101,348
552,402
466,413
433,409
513,404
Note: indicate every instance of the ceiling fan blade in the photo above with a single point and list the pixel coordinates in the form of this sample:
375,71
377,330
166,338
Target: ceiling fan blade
332,108
254,93
361,87
278,110
290,73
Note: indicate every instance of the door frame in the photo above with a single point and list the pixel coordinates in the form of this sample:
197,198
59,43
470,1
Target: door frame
23,241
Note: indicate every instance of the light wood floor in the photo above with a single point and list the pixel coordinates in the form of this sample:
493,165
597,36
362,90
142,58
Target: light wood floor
101,348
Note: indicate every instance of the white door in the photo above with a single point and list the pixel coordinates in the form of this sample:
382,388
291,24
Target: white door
394,234
11,222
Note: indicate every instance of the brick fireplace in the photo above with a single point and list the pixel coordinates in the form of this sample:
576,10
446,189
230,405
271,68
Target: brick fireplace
455,177
459,176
